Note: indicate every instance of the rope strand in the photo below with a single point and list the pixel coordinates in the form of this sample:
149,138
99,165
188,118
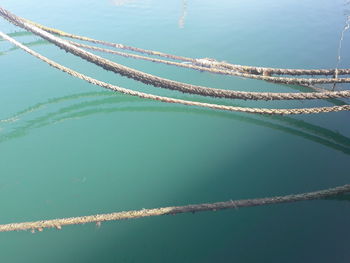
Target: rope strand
172,210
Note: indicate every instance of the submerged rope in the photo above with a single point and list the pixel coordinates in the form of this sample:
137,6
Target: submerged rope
170,84
201,62
172,100
172,210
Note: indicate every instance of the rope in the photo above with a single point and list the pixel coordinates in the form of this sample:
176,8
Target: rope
195,66
128,55
191,66
172,210
172,63
166,83
58,223
206,62
172,100
156,60
120,46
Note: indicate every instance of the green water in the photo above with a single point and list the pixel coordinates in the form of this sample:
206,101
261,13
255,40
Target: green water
68,148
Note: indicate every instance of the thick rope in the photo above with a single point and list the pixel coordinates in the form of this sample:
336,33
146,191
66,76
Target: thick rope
128,55
165,83
172,100
120,46
173,63
172,210
232,71
58,223
195,66
202,62
156,60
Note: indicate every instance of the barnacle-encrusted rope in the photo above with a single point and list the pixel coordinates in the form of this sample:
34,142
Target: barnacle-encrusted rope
172,210
170,84
200,62
172,100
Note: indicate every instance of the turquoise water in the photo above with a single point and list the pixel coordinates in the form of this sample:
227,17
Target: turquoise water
68,148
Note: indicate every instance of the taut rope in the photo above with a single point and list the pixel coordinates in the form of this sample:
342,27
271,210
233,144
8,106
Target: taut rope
172,210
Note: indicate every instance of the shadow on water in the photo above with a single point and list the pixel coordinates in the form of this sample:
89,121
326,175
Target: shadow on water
28,44
18,34
109,102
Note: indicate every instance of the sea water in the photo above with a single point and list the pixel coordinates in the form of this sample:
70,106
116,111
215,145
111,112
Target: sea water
68,148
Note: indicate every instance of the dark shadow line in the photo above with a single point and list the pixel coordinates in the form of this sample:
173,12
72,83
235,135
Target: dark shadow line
19,34
28,44
329,140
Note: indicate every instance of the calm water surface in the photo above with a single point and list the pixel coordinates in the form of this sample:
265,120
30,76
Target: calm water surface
68,148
